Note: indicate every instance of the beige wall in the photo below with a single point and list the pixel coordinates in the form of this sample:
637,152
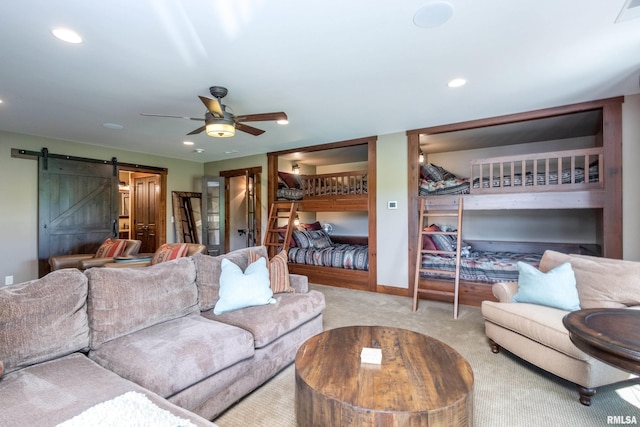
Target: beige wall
19,191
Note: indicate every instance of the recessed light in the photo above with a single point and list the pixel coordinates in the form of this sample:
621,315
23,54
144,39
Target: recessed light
187,142
231,152
433,15
457,83
199,150
113,126
67,35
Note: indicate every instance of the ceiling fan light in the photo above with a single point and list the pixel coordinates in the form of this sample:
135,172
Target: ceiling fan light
220,130
282,122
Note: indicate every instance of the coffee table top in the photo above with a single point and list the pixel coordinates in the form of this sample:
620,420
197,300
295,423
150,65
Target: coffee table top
609,334
417,374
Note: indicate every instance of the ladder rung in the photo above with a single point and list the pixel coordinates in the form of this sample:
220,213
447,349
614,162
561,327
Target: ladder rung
444,233
437,292
436,213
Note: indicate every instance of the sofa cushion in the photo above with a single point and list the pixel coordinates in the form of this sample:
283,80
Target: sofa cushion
278,271
43,319
601,282
241,289
208,270
169,357
125,300
52,392
536,322
269,322
555,288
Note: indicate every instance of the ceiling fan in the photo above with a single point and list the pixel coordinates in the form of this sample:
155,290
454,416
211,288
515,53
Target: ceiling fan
220,123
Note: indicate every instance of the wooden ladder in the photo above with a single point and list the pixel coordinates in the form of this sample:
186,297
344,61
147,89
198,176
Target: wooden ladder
425,213
272,240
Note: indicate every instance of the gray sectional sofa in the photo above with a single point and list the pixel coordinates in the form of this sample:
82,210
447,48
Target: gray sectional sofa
72,340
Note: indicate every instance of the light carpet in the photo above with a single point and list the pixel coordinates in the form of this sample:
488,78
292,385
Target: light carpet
507,391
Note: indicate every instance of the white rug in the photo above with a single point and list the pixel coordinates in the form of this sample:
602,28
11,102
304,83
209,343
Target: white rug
131,409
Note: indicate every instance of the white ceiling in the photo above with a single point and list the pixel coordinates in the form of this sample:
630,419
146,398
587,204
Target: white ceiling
339,69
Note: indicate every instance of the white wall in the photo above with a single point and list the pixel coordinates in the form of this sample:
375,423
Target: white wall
19,194
391,180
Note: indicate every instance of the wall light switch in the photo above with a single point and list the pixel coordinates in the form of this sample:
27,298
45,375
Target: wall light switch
392,205
8,280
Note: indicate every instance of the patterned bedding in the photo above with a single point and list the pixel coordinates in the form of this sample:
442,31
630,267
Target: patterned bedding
451,185
483,266
353,257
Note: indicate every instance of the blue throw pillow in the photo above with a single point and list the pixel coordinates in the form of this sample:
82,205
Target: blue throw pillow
239,290
556,288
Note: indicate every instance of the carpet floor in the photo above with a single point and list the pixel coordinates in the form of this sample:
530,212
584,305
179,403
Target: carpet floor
507,390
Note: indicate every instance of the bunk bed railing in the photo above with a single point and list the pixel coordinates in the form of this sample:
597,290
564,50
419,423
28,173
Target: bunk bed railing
552,171
351,183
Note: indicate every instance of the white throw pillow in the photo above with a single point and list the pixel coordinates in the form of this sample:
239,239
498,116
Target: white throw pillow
240,290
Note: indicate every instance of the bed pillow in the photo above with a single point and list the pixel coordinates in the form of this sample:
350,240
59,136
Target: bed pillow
291,180
427,241
314,239
282,231
243,289
313,226
555,288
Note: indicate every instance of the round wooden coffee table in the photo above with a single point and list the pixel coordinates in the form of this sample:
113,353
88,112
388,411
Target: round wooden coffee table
421,381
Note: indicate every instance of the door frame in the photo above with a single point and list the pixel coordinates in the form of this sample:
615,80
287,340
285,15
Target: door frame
256,171
161,229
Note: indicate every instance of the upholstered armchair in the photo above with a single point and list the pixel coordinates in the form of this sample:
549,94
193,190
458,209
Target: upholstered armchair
166,252
109,249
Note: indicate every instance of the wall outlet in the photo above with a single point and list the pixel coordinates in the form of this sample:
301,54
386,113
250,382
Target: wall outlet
8,280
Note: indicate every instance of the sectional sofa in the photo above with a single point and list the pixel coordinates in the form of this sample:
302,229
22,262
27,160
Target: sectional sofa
72,340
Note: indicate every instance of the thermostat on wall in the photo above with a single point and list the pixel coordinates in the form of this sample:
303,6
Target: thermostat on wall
392,205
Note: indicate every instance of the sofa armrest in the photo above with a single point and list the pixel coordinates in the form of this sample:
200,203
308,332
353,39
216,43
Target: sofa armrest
131,264
299,282
505,291
68,261
94,262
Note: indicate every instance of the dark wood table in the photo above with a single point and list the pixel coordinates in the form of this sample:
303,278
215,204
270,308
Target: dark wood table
421,381
611,335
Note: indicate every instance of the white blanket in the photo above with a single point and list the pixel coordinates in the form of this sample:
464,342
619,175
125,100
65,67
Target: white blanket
131,409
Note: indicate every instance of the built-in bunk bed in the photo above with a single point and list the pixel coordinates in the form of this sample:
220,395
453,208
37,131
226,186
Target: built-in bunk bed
564,179
339,260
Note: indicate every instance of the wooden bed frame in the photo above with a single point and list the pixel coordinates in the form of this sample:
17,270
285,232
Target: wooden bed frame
336,192
605,195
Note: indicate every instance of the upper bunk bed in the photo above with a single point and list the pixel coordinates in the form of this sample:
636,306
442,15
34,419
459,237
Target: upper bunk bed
342,190
334,177
577,166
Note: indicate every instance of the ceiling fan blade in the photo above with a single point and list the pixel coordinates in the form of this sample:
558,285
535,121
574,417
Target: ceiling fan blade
173,117
213,106
249,129
199,130
263,117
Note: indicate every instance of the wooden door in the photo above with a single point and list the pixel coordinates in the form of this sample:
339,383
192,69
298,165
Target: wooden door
146,201
77,207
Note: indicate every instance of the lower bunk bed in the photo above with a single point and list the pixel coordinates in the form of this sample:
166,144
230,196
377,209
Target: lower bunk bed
330,260
484,263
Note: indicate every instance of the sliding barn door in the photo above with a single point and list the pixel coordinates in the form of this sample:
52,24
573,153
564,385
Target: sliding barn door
78,207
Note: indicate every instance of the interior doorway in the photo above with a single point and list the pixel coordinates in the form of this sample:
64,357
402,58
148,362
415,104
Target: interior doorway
243,213
142,214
